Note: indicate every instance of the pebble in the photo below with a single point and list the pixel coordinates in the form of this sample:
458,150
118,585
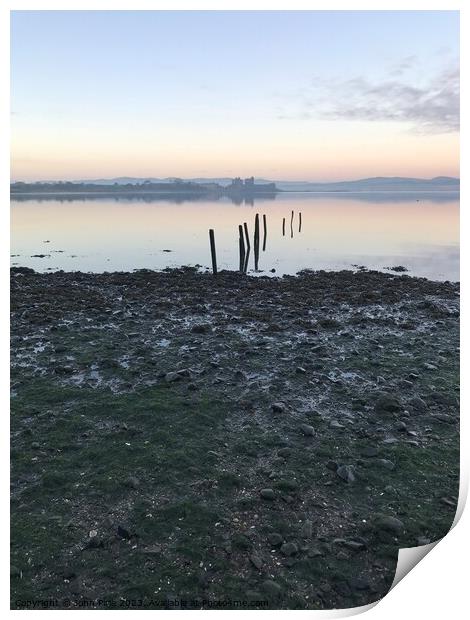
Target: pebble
333,465
401,426
369,451
307,430
132,482
256,561
336,424
389,524
385,463
306,529
267,494
278,407
387,403
123,533
289,548
300,370
170,377
346,473
271,588
354,545
418,403
275,539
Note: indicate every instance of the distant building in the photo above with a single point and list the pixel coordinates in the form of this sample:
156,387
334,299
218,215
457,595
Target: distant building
248,186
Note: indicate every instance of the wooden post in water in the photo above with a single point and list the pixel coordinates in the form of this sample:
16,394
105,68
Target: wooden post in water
265,232
283,226
291,224
241,245
300,221
256,241
213,254
247,236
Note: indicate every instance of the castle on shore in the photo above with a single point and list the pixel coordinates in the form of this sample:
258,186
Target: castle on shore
248,186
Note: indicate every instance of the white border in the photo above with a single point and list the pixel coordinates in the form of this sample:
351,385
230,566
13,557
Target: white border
437,587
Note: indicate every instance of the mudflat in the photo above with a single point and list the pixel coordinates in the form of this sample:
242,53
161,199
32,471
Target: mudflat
187,440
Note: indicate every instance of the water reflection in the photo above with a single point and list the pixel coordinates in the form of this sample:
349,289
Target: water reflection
97,233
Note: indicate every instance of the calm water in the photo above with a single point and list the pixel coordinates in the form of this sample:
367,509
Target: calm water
377,230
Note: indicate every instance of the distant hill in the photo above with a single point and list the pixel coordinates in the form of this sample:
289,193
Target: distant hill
374,184
382,184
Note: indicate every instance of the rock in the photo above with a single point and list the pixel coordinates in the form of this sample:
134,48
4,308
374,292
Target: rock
271,588
287,498
170,377
346,473
153,549
401,426
278,407
443,417
307,430
132,482
315,552
201,328
192,387
336,424
385,463
239,375
388,523
287,484
429,366
387,403
123,533
306,529
267,494
369,451
422,540
448,502
284,452
333,465
329,323
289,548
300,370
359,583
354,545
275,539
35,445
14,571
184,372
418,404
256,561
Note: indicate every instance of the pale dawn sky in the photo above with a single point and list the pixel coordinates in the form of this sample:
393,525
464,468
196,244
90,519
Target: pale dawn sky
282,95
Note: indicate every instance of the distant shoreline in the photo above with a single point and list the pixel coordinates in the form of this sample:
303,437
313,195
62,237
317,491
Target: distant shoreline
254,194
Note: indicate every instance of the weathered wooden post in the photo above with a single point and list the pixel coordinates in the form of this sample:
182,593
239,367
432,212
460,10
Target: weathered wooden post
300,221
292,224
247,236
265,232
283,226
247,258
213,254
241,246
256,241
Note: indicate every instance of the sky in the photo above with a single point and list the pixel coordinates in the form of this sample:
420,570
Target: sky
287,95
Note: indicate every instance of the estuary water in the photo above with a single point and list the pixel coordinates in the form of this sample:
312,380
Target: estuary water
418,231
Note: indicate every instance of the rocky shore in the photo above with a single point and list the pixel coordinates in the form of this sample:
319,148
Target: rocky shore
185,440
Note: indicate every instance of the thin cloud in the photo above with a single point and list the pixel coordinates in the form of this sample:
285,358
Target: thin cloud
430,108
